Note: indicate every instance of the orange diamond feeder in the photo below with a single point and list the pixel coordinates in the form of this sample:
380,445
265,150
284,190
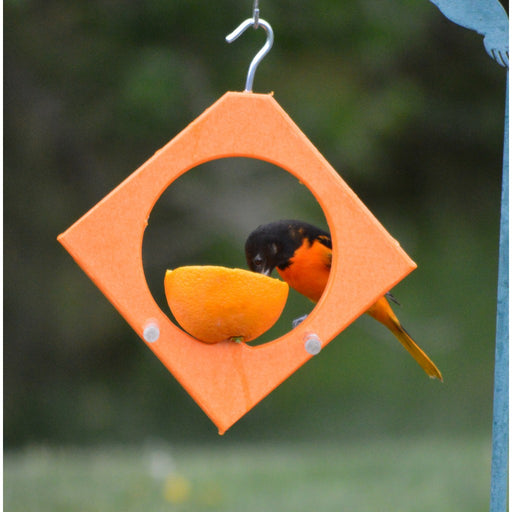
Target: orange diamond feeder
227,379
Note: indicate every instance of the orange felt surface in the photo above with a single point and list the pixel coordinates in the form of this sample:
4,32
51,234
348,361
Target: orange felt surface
228,379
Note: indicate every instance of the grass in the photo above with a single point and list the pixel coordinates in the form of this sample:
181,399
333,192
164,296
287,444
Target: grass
376,475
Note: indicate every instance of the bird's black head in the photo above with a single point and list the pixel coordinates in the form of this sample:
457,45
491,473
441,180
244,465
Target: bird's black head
272,245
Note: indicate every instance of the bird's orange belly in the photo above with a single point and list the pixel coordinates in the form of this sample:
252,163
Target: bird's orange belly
308,275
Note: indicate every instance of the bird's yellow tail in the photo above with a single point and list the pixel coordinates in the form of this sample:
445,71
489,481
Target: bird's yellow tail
382,312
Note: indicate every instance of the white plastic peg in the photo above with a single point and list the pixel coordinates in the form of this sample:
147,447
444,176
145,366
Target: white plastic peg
312,344
151,332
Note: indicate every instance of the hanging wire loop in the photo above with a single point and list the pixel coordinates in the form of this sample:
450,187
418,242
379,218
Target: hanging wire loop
256,13
264,50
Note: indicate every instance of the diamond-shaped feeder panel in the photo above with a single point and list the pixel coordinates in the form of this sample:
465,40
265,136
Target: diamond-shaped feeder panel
228,379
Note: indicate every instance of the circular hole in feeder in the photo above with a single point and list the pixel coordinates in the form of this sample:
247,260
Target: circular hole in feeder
205,216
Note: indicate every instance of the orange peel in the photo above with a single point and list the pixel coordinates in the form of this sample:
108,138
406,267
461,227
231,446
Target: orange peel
215,304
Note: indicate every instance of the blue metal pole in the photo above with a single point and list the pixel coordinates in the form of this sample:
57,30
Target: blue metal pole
499,465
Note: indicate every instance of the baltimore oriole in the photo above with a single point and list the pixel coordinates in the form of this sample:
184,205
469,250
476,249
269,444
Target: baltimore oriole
302,255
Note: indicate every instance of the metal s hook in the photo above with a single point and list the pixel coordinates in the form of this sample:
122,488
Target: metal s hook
256,22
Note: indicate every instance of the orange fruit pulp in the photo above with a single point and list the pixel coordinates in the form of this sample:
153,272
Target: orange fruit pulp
216,304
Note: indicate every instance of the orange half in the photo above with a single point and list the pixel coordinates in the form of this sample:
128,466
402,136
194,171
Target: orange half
216,304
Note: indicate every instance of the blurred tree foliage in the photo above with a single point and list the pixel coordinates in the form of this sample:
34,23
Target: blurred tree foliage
405,104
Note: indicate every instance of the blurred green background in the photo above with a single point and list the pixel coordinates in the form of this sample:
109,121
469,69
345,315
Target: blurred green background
406,106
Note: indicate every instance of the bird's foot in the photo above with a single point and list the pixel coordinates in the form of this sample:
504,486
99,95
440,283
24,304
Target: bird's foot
392,298
299,320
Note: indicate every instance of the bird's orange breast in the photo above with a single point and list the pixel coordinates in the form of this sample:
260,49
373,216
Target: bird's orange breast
308,271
